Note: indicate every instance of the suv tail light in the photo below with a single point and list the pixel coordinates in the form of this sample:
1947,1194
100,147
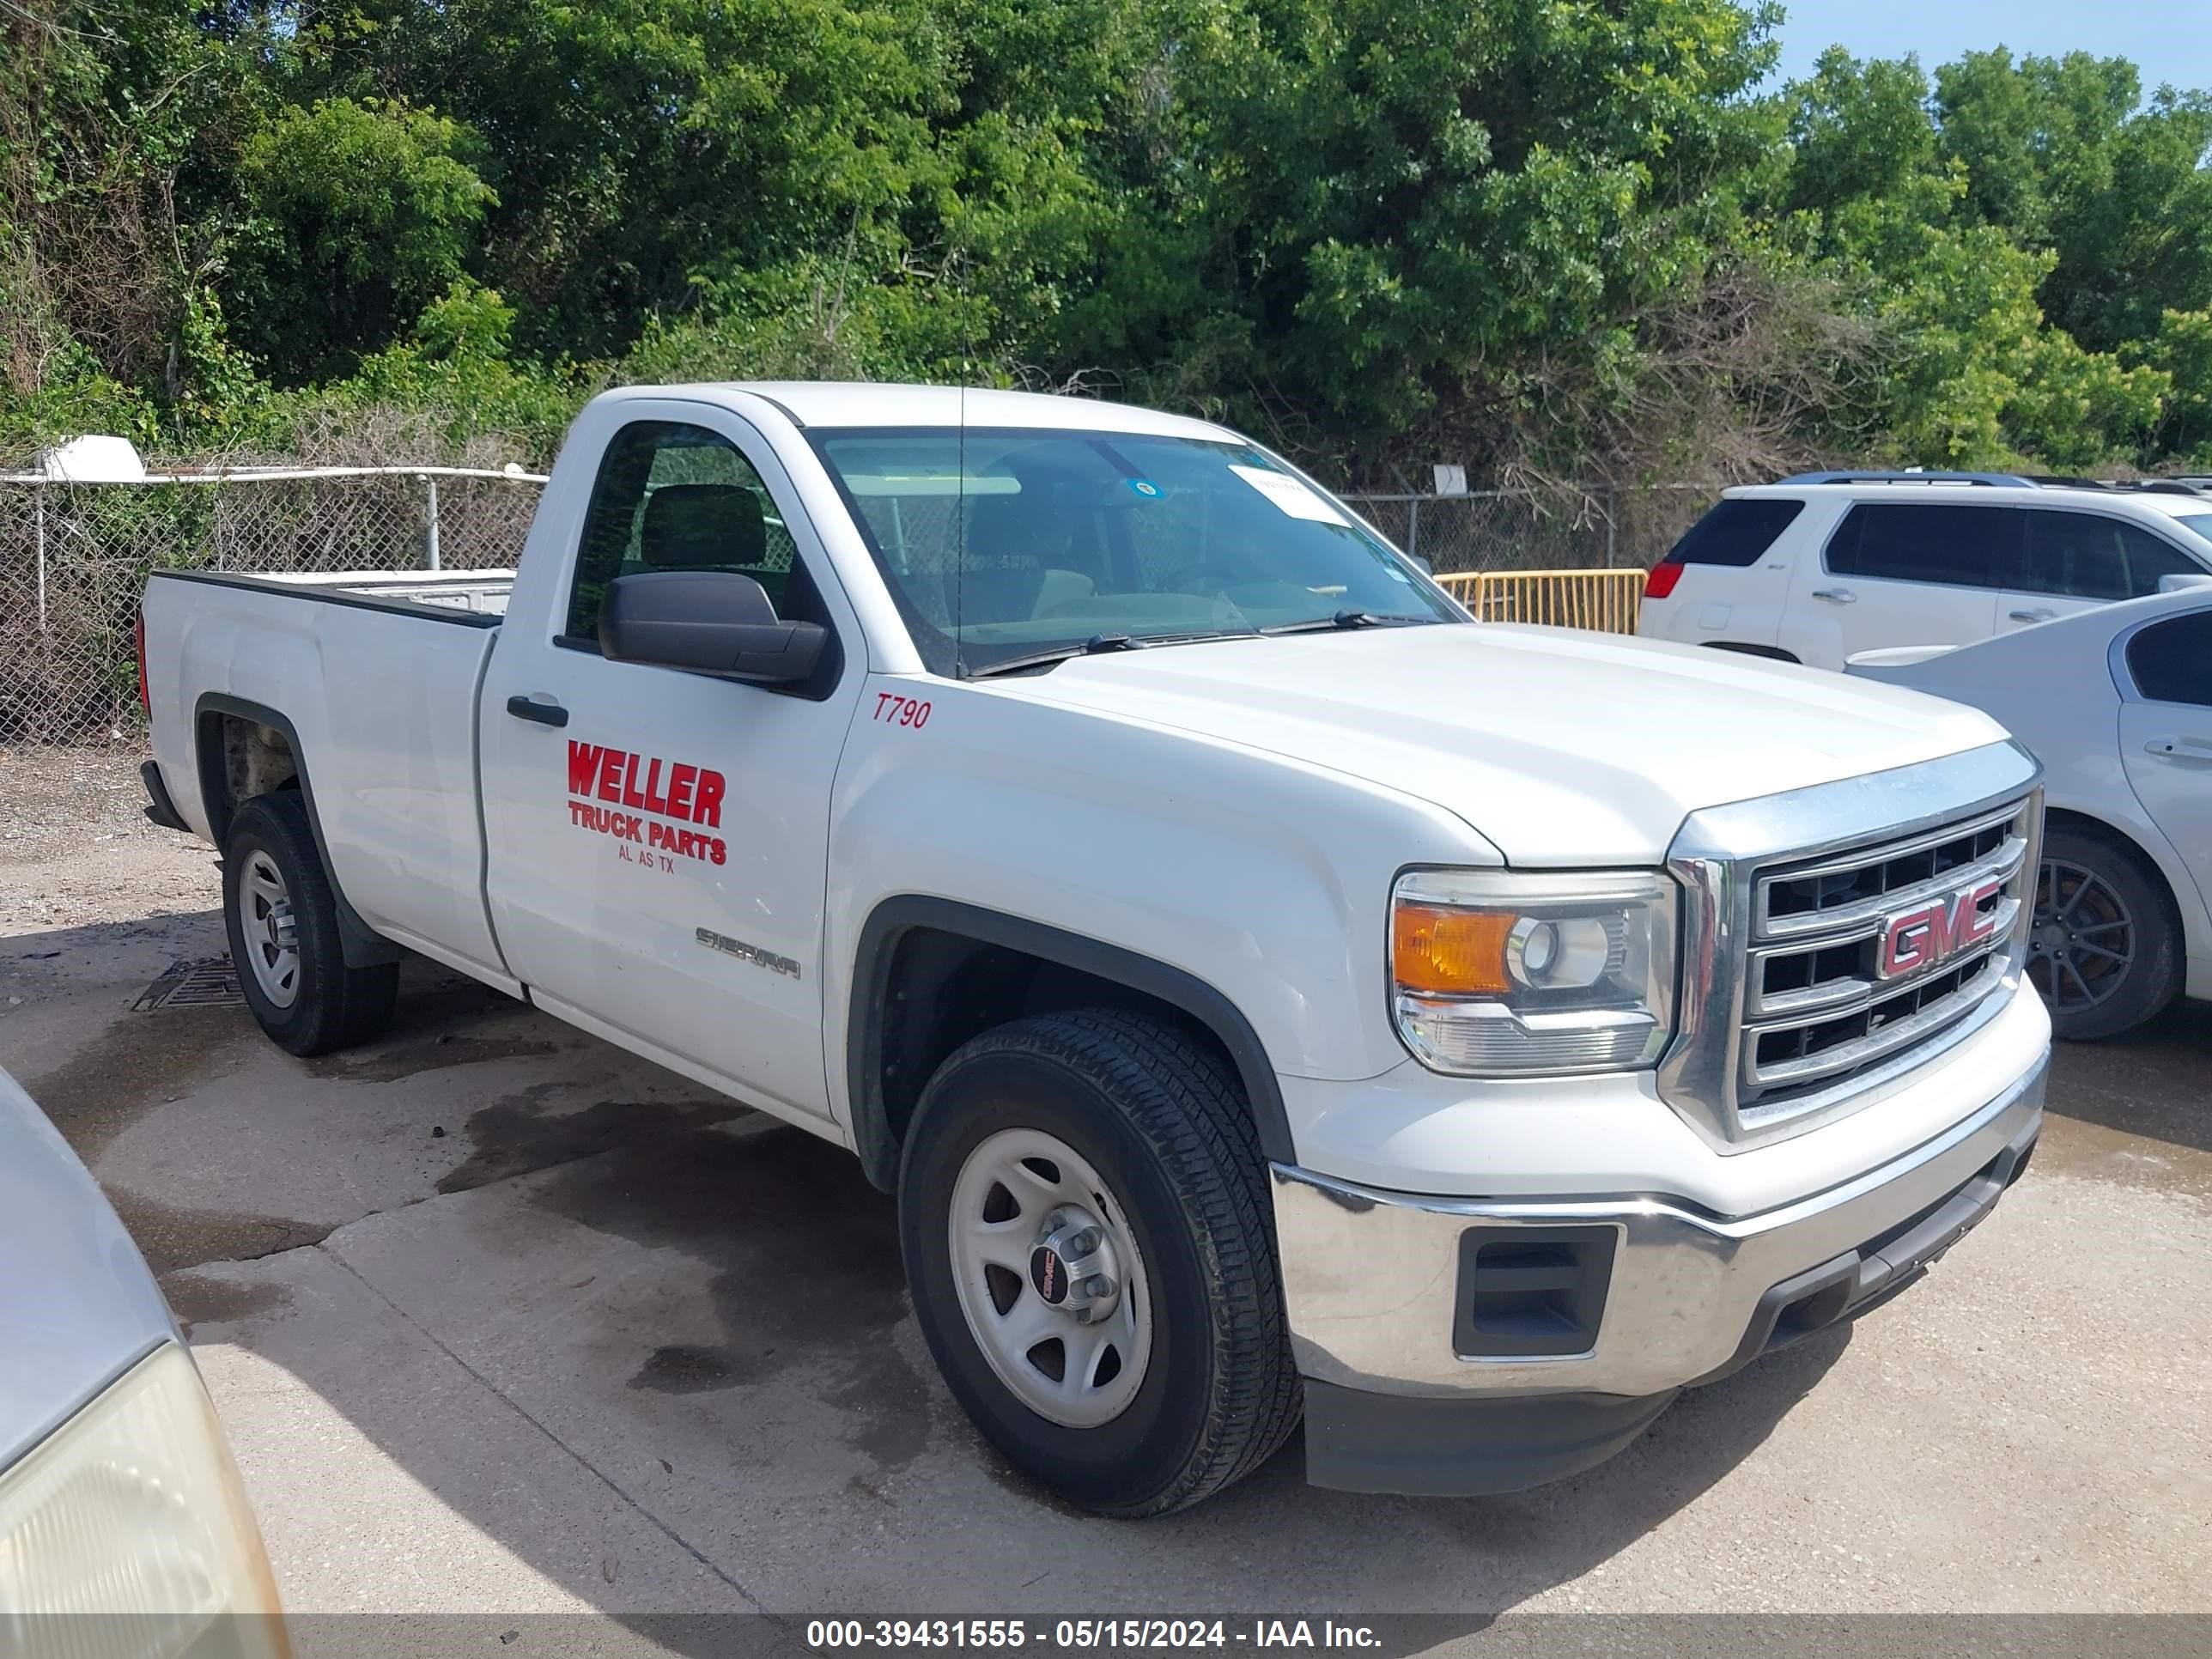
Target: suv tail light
1661,582
145,700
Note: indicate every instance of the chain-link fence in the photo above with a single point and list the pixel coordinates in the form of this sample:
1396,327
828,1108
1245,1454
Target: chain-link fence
73,559
1566,527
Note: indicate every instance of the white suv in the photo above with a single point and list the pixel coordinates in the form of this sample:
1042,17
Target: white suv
1818,568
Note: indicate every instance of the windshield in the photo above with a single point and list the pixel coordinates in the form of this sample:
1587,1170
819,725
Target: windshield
2197,523
1002,544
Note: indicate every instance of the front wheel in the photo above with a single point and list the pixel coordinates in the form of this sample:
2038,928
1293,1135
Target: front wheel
2104,951
1085,1220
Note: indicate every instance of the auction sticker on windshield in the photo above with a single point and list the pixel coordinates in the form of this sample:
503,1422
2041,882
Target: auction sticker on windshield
1289,494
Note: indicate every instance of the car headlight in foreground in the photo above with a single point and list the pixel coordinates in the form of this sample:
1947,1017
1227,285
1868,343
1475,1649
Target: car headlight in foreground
127,1532
1495,974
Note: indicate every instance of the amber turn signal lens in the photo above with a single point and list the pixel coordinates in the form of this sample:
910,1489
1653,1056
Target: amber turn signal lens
1450,952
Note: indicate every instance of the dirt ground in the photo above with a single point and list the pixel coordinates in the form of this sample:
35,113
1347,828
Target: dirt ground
75,847
499,1317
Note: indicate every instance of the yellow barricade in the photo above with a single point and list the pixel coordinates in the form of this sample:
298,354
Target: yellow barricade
1606,600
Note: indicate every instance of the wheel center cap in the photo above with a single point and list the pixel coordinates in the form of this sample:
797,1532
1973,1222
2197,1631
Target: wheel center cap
1073,1267
1048,1275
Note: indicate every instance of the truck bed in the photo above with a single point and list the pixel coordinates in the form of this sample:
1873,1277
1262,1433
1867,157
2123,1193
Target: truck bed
371,679
483,592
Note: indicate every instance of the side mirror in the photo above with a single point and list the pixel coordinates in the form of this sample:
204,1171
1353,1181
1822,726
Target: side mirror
2179,583
1420,564
706,621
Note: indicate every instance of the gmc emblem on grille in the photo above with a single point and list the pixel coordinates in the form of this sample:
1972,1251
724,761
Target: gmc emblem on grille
1916,940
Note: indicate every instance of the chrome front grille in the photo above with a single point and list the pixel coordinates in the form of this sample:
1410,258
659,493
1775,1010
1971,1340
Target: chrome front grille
1840,937
1819,1004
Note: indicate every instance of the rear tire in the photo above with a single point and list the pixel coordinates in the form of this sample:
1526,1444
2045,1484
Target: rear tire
1160,1187
283,918
2106,952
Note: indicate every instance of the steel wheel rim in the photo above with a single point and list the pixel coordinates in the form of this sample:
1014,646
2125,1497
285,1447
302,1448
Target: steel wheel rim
2083,939
1021,1192
268,929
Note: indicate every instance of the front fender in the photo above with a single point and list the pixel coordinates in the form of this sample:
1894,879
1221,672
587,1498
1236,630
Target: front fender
1265,878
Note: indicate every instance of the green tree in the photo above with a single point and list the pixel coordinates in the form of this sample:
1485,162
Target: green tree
356,216
642,146
2183,349
1859,131
1382,207
2062,154
1980,382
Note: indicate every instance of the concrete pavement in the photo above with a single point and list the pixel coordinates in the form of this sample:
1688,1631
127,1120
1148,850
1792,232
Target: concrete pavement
501,1318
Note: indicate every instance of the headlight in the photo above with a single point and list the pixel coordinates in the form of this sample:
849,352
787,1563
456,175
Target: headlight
1503,975
126,1531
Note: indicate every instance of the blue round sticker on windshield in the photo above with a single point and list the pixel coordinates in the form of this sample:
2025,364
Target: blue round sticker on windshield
1147,489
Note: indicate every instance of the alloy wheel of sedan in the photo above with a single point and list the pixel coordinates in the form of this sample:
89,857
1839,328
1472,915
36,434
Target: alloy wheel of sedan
2083,939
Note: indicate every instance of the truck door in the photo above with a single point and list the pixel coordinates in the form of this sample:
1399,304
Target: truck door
658,839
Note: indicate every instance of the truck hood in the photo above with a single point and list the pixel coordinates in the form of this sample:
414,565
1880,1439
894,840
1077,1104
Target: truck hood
1561,748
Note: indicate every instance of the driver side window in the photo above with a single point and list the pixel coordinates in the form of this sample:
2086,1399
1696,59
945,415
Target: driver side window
673,496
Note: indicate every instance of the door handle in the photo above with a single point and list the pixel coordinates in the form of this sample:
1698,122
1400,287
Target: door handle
2193,749
548,712
2035,615
1835,595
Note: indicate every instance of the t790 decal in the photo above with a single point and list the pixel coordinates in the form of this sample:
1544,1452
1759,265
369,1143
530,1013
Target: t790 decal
647,785
892,709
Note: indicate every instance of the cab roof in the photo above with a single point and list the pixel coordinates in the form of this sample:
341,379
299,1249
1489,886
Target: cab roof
847,404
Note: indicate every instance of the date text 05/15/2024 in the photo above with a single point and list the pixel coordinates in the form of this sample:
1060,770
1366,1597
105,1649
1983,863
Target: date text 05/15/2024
1086,1635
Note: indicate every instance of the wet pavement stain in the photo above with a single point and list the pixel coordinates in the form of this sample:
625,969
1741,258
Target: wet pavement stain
400,1062
442,1020
171,1236
516,1135
682,1368
891,1401
135,1064
2070,1146
803,1255
196,1299
2155,1083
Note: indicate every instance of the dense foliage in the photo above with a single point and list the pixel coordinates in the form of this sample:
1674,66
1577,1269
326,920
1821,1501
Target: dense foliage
1534,236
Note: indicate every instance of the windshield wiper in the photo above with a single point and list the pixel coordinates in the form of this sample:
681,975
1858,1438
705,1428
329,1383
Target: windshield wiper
1348,619
1099,645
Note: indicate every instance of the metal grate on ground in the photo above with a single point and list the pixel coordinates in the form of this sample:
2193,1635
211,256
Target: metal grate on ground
209,982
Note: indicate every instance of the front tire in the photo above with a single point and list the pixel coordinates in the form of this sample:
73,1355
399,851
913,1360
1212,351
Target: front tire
2106,952
283,918
1110,1144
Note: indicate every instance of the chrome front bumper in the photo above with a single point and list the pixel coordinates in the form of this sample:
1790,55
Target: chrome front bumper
1372,1279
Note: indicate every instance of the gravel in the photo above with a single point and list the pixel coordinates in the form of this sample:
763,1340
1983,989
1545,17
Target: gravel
75,847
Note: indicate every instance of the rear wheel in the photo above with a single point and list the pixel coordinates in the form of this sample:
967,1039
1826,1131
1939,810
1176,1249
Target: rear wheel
281,915
2104,951
1084,1219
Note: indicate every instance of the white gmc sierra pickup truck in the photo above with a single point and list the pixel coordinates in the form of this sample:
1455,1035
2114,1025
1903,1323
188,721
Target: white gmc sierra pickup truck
1263,987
